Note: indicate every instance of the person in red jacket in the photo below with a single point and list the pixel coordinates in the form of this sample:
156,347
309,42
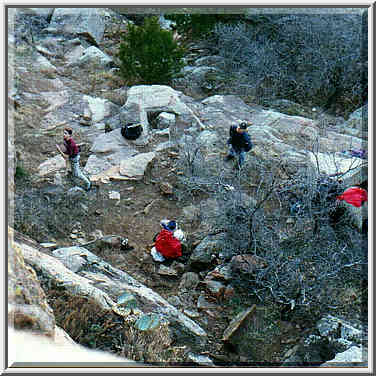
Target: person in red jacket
355,196
167,246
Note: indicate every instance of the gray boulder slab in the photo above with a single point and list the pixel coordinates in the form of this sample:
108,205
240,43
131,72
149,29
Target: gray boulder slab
110,142
51,165
88,22
93,55
135,167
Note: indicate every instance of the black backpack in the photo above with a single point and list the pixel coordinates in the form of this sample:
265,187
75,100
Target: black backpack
131,131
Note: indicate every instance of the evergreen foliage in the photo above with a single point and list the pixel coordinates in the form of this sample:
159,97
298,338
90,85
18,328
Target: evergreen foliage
150,54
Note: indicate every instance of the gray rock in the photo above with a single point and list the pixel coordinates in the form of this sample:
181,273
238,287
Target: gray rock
51,165
357,124
74,258
175,301
45,66
165,120
103,284
203,303
88,22
94,56
189,281
337,328
209,60
134,167
353,357
208,139
202,254
201,360
100,108
165,270
75,192
214,288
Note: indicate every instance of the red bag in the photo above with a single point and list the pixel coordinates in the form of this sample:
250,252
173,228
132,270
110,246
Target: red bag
167,245
354,196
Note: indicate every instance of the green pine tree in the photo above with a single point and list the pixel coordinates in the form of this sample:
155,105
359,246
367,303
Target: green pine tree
149,54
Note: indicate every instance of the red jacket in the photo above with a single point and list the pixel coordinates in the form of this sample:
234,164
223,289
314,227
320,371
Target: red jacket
167,245
354,196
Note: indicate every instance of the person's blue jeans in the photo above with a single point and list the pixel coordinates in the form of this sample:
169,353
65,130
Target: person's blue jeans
76,171
237,153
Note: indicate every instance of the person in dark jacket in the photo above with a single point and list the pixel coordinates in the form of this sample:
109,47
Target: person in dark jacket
239,142
72,154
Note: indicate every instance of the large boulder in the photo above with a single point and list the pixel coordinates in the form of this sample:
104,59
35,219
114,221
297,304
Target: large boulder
111,142
51,165
334,341
95,57
357,123
87,22
103,284
28,308
134,167
352,171
100,108
203,255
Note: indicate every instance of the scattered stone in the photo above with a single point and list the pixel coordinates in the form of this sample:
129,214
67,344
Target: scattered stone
229,292
127,300
96,234
166,188
221,272
190,212
113,195
165,270
189,281
178,266
203,303
353,357
246,264
148,322
191,314
215,288
175,301
75,192
48,245
87,114
236,323
290,220
201,360
337,328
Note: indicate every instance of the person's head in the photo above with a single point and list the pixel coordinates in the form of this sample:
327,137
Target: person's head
170,225
242,127
67,133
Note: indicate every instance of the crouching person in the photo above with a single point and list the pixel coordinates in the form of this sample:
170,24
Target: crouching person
167,245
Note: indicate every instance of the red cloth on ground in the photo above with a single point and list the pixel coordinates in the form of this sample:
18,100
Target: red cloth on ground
167,245
354,196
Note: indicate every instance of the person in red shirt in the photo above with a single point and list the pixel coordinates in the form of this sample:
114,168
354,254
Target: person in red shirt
72,154
167,246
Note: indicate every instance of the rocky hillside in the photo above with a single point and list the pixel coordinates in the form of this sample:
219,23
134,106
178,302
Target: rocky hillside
79,262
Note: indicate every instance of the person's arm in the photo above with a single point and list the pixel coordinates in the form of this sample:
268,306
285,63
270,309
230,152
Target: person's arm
65,156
